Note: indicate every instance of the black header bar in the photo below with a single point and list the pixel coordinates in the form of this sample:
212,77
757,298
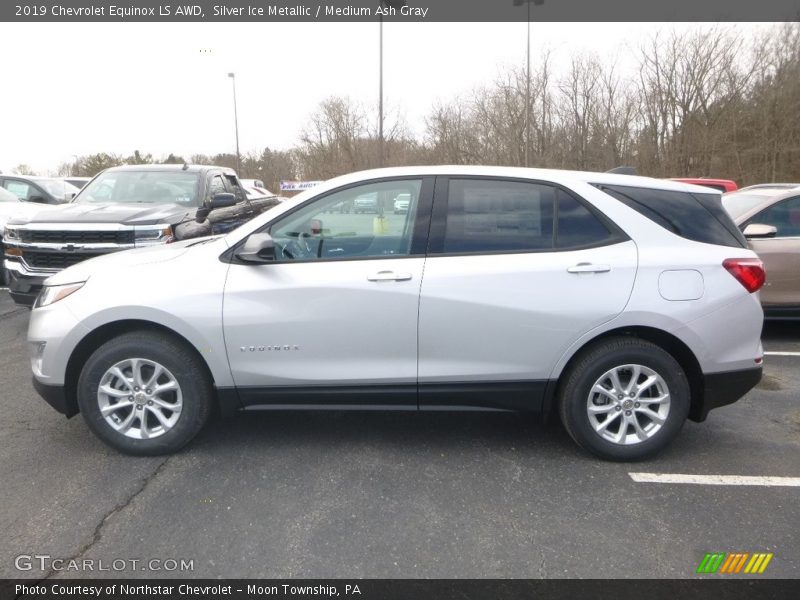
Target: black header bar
278,11
396,589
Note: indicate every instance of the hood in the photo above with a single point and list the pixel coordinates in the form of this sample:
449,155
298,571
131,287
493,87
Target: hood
123,214
129,258
20,210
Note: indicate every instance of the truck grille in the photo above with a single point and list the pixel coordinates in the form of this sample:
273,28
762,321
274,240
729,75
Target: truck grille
56,260
76,237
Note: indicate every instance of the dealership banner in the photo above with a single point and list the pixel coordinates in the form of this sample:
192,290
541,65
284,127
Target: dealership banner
298,186
399,589
399,10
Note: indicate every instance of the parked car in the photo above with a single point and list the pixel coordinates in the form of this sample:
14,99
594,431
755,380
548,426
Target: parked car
253,182
770,219
605,298
78,182
123,208
366,203
254,193
41,190
770,186
401,203
722,185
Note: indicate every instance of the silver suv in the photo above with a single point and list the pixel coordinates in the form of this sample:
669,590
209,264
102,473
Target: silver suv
625,304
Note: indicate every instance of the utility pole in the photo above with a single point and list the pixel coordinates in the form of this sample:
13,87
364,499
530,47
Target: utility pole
236,126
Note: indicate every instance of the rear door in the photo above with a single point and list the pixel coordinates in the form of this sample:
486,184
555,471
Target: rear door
516,272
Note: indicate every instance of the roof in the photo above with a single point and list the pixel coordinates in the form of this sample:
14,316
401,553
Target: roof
31,177
765,193
556,175
159,167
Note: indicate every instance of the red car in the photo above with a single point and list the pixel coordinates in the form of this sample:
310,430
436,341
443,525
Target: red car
723,185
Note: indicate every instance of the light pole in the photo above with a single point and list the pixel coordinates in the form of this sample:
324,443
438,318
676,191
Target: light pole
528,3
394,4
236,126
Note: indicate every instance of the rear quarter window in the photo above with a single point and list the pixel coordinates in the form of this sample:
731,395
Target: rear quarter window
696,217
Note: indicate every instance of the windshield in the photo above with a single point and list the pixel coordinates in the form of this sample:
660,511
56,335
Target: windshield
150,187
739,204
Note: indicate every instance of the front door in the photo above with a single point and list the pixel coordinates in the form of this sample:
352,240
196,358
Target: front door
334,319
781,254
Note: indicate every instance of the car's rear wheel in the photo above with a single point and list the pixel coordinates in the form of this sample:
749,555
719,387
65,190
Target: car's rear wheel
624,399
144,393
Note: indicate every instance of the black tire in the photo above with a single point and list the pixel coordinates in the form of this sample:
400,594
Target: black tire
181,365
594,363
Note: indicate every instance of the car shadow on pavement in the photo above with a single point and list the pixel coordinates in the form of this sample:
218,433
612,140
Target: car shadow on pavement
781,330
344,429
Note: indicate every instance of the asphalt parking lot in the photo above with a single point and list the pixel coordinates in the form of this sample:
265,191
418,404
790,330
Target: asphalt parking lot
366,495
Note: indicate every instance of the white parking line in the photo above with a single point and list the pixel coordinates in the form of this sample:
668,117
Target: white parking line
782,353
715,479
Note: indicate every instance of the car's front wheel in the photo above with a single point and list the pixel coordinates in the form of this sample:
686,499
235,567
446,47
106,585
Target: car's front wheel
144,393
624,399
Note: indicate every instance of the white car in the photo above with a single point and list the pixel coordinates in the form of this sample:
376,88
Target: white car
257,185
401,203
624,304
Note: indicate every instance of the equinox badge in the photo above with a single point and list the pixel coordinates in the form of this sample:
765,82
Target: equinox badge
284,348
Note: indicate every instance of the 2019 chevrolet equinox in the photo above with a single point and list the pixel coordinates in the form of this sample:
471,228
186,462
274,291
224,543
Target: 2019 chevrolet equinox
623,303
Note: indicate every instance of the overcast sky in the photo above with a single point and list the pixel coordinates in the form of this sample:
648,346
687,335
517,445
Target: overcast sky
74,89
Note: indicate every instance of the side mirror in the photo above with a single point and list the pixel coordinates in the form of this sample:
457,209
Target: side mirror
758,231
202,214
222,200
259,248
37,199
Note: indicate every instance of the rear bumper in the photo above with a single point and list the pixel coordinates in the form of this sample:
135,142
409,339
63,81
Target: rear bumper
721,389
56,396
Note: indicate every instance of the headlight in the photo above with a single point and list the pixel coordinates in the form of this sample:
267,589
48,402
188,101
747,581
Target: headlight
159,234
10,233
51,294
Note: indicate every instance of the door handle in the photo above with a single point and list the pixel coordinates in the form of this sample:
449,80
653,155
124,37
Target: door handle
585,267
389,276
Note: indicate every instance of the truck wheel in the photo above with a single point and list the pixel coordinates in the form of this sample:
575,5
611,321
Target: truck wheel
625,399
144,393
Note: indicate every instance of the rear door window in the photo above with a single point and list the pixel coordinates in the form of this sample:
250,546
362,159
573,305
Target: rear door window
578,227
498,216
507,216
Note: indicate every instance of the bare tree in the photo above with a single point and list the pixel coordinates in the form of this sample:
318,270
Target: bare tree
23,170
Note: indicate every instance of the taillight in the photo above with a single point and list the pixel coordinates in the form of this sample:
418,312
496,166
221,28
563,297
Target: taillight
747,271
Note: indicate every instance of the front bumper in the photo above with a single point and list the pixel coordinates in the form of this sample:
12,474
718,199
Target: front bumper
23,285
55,396
721,389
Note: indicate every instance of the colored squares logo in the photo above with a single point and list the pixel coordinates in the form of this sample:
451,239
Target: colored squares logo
735,562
